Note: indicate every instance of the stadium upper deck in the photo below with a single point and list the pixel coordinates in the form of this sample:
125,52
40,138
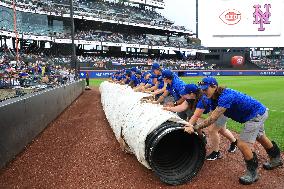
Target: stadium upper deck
102,11
97,23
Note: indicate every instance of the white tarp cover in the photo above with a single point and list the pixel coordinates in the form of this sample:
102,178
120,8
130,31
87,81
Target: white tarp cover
136,120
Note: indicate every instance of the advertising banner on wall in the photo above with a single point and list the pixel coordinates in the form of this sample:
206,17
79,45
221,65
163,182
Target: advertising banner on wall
107,74
96,74
255,17
233,73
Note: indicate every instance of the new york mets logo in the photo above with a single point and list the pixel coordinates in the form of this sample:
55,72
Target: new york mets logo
230,17
260,17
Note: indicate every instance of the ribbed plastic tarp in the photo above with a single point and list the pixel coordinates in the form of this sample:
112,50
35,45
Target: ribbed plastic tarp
125,112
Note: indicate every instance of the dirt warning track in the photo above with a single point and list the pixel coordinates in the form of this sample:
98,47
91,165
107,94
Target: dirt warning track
79,150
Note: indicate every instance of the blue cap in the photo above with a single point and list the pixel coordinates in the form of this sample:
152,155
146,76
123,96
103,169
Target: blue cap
153,75
167,74
206,82
146,73
23,74
138,72
189,88
127,72
133,69
155,66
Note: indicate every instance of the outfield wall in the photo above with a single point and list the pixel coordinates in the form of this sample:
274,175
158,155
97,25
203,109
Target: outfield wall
23,118
185,73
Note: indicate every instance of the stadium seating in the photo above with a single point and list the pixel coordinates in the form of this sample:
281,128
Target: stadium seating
101,9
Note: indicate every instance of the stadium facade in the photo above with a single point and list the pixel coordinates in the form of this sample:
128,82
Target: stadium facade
48,23
134,29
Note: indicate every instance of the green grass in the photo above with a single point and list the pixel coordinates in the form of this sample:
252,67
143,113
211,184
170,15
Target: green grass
268,90
96,82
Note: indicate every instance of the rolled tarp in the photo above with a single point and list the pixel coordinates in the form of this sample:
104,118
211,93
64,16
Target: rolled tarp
155,136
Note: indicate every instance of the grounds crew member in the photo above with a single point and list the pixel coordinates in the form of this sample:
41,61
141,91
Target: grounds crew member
196,104
248,111
174,85
87,81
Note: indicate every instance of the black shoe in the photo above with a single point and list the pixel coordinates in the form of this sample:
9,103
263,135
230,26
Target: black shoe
233,147
249,177
214,155
251,174
203,138
274,156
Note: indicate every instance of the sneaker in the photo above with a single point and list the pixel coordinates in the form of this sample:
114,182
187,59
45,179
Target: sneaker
214,155
233,147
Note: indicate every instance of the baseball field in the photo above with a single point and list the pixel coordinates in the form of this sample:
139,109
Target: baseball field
79,149
267,89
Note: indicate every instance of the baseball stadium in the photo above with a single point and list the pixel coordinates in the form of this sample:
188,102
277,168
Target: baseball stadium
115,94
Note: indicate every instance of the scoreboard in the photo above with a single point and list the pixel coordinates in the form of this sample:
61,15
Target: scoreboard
243,23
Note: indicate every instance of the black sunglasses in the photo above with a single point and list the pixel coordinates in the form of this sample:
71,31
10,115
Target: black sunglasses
201,83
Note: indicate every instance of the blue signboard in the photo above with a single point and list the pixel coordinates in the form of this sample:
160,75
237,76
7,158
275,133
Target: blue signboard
96,74
190,74
234,73
107,74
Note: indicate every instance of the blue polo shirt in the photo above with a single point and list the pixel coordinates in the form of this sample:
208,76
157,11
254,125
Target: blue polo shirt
118,78
136,80
113,77
160,82
145,81
205,104
240,107
176,87
150,82
127,81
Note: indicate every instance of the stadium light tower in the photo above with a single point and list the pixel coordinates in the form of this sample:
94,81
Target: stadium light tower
73,57
196,17
15,31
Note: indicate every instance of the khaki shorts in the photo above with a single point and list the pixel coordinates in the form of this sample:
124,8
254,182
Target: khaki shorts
221,121
254,128
185,115
169,99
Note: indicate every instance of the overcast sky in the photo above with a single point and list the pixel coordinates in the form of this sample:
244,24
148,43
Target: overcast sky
182,12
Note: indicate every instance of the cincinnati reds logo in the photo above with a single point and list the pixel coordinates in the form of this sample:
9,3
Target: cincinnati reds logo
230,17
